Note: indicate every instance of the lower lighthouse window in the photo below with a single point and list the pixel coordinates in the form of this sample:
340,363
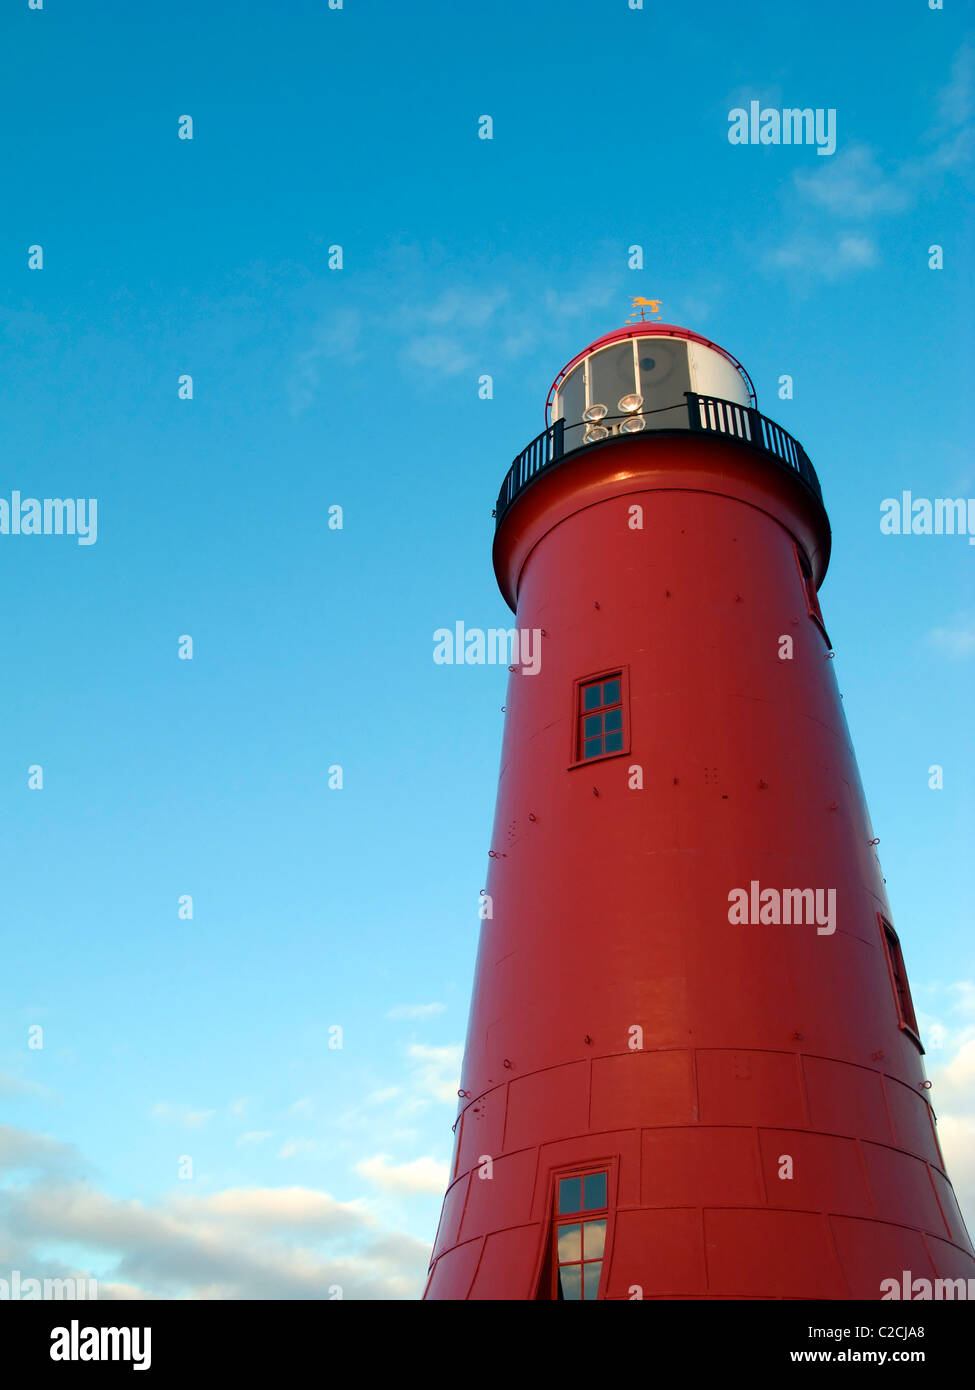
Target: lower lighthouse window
580,1235
600,717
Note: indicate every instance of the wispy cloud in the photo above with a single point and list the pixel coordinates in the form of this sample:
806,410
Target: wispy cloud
949,1023
437,333
419,1175
384,1094
338,334
475,307
190,1119
438,353
856,187
830,256
436,1070
853,185
440,335
254,1136
956,640
953,131
302,1148
11,1085
416,1010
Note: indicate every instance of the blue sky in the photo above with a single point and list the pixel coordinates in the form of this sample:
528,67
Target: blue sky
209,1039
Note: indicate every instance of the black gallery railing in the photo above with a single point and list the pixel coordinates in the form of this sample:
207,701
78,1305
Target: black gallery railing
703,414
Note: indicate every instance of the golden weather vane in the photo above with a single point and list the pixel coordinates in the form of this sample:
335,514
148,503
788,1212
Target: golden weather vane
643,305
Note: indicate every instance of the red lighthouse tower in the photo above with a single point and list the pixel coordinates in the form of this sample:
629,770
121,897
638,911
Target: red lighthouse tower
693,1069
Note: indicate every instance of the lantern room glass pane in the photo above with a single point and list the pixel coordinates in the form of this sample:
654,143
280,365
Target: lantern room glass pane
665,374
592,1273
572,402
611,375
570,1282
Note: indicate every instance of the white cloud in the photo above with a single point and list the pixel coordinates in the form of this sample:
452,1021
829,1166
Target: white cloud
11,1085
192,1119
957,640
254,1136
830,256
339,335
436,1070
964,998
469,306
419,1175
952,1061
25,1149
956,1134
438,353
520,344
954,1081
598,293
854,188
953,132
445,323
381,1096
303,1208
284,1243
852,184
953,1097
416,1010
293,1147
855,252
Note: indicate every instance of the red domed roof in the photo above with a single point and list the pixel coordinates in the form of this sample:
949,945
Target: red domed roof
650,329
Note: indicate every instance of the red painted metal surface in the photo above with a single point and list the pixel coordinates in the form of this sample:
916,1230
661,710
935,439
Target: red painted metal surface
763,1049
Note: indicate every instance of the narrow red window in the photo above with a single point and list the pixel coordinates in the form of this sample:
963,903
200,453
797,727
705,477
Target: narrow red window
581,1216
898,978
809,590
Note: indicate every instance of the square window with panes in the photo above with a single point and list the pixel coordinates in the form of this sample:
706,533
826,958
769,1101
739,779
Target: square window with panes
581,1214
600,717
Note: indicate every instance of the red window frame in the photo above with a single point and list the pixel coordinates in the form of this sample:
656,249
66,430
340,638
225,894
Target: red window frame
548,1282
809,591
906,1016
620,673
